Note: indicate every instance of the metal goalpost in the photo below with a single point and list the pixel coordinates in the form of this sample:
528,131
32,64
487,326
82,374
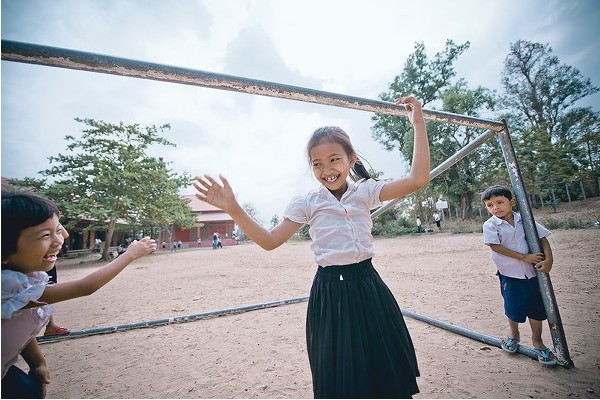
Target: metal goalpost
91,62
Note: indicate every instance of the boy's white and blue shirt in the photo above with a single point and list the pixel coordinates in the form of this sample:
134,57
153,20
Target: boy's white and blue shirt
498,231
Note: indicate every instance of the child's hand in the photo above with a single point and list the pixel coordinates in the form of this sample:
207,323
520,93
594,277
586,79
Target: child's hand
544,266
533,258
413,106
41,375
140,248
211,192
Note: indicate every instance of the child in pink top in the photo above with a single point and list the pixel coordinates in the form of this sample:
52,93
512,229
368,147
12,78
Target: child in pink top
31,239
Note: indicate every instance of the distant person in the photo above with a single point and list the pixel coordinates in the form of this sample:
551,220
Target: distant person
164,245
358,344
31,239
436,218
174,246
215,240
419,225
121,249
199,242
179,243
517,270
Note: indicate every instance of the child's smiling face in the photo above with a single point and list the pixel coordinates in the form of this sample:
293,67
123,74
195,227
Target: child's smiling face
37,247
331,166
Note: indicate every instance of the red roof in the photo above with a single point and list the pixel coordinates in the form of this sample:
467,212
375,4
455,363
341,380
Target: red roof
208,213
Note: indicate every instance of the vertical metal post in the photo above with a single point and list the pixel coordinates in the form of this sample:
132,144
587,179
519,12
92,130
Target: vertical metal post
554,320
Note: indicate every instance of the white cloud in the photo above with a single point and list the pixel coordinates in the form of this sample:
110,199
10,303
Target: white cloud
348,47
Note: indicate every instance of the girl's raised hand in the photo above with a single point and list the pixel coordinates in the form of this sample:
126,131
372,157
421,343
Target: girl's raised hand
139,248
413,106
214,194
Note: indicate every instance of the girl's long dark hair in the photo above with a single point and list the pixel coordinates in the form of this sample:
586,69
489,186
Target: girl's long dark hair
335,134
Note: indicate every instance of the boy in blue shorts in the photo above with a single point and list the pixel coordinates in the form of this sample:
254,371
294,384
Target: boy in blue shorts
505,236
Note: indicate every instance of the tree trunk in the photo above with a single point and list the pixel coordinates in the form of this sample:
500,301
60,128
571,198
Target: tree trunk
109,235
466,206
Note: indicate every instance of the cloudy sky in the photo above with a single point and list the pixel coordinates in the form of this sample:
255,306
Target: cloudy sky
348,47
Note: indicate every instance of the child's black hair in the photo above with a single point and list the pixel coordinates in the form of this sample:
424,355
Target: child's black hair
496,190
336,134
21,210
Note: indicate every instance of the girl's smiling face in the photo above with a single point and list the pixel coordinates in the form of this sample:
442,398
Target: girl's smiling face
37,247
331,166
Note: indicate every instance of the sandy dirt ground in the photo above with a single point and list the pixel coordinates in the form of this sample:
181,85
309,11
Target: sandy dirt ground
262,354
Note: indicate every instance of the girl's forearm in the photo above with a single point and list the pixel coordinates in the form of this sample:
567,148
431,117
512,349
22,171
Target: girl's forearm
267,239
421,161
88,284
251,228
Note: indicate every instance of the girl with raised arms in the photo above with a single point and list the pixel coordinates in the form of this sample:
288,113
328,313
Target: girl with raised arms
357,340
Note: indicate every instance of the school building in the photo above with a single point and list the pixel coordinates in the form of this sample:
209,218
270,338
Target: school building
212,219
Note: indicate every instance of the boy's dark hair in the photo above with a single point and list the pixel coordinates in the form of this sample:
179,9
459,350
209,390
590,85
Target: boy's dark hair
496,190
21,210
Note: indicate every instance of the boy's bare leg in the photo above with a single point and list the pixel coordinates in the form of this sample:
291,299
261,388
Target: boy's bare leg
514,330
536,334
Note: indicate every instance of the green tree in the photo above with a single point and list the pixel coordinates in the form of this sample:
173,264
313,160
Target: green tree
462,182
550,131
426,79
421,77
107,175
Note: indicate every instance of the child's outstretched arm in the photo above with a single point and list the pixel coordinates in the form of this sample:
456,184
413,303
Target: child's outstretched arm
222,197
419,172
94,281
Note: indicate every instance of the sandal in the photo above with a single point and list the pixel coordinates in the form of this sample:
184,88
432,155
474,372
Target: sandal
546,357
510,345
59,330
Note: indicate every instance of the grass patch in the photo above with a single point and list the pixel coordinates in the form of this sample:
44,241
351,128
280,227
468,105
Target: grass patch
569,223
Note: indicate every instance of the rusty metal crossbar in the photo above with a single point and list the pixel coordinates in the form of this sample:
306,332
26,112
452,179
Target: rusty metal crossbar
91,62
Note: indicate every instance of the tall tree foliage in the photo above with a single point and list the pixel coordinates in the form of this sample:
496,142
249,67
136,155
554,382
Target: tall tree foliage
107,175
461,183
427,79
554,137
421,77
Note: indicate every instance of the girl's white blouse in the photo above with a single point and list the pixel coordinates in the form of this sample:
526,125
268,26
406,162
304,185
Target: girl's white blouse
340,229
20,325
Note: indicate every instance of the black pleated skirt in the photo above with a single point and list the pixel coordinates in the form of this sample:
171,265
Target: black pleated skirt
358,344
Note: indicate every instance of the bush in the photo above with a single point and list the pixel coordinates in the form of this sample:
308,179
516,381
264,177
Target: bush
393,228
466,229
569,223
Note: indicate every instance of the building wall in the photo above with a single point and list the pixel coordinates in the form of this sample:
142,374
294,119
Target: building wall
206,232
